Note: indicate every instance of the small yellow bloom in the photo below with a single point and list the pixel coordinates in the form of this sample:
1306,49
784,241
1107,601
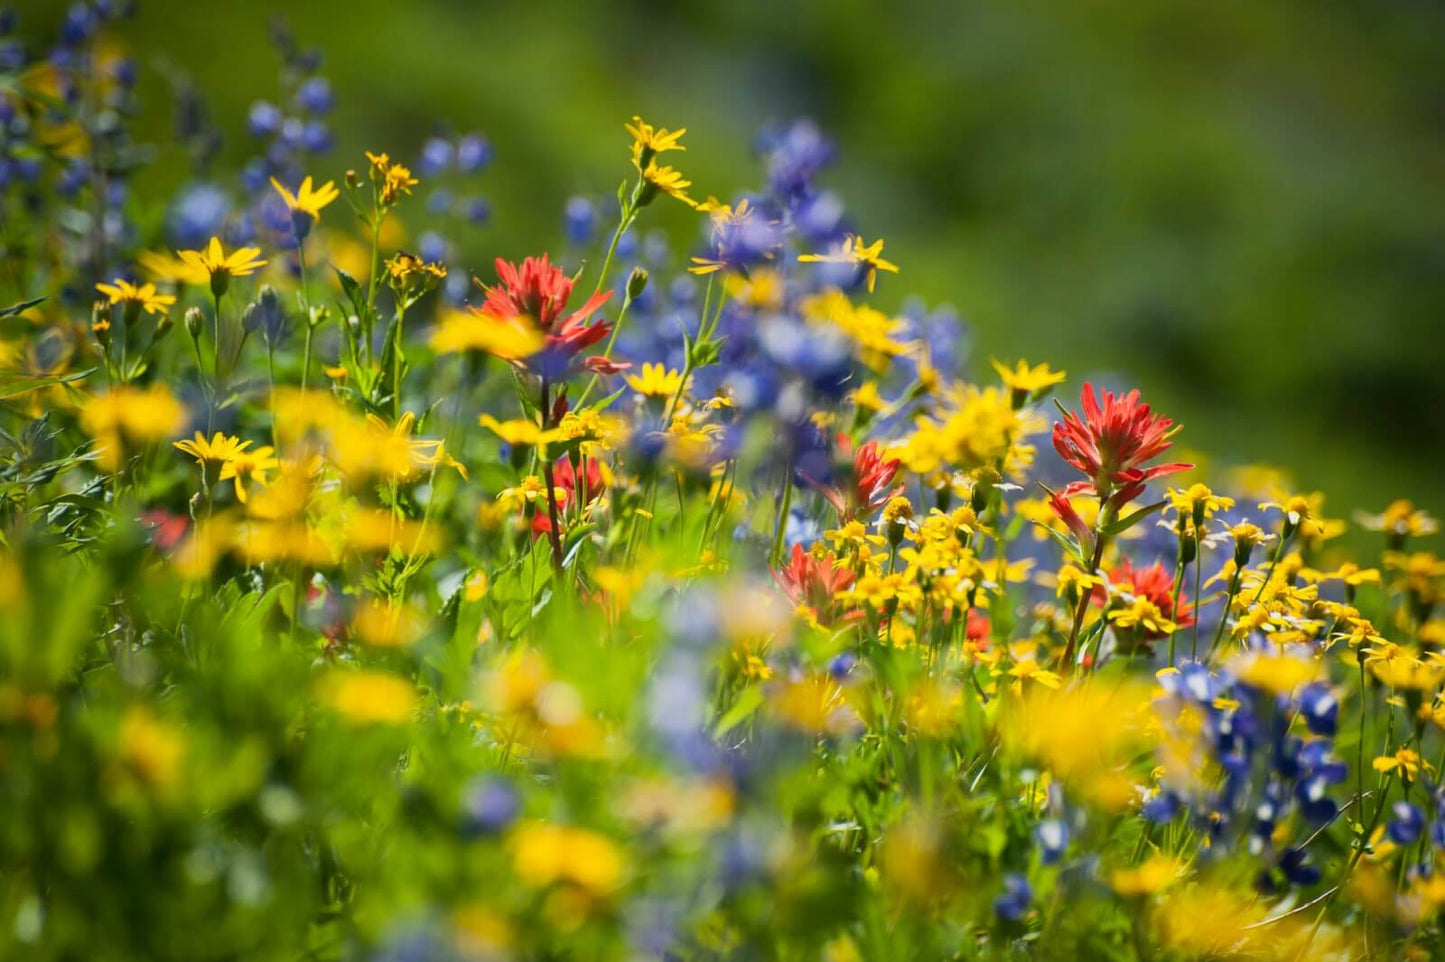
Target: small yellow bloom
520,431
219,266
648,141
544,854
854,251
368,697
511,339
1155,875
252,465
656,381
306,200
667,180
392,180
1405,761
143,296
215,452
1027,380
1197,498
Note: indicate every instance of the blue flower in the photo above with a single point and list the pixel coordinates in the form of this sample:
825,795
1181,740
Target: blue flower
315,95
1014,902
1320,708
1053,838
489,806
579,220
436,156
264,119
1406,826
473,153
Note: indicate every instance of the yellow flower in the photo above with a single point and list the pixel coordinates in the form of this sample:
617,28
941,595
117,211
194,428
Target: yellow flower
520,431
1279,674
510,340
1142,613
151,749
140,415
143,296
875,332
368,697
406,269
1299,510
1400,519
220,266
648,141
1198,500
248,464
1024,380
1029,669
1405,761
215,452
655,381
854,251
544,854
1155,875
306,200
383,625
667,180
167,267
391,179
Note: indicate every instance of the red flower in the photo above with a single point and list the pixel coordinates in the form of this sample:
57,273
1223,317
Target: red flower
1112,443
166,528
563,475
1155,584
872,475
539,290
977,628
811,581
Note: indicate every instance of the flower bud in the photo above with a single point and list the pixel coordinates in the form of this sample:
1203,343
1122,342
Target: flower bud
251,318
352,180
194,322
637,283
163,327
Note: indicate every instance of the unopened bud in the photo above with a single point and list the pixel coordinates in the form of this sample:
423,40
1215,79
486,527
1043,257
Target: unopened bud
352,180
163,327
251,318
637,283
194,322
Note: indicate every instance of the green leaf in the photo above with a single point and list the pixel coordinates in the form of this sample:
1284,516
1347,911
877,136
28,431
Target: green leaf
14,386
22,307
1069,543
748,702
1129,520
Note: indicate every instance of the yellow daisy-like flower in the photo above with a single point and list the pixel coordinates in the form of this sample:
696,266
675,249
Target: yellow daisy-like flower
214,452
1407,762
648,141
655,381
1024,380
1299,511
252,465
520,431
143,296
393,180
1142,613
855,251
667,180
307,200
1198,501
511,339
220,266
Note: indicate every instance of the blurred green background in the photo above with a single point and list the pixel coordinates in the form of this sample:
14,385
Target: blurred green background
1238,206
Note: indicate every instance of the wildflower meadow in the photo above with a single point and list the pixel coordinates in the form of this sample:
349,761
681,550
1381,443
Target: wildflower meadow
656,595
